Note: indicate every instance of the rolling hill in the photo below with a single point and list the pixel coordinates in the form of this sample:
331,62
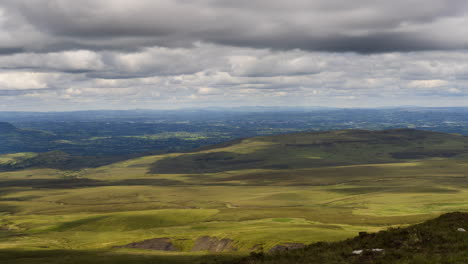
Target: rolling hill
319,149
227,200
18,140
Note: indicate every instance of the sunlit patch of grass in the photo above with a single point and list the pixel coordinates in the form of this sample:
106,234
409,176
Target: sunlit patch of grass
14,157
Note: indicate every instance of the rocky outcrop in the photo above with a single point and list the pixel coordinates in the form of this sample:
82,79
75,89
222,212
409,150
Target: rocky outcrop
162,244
213,244
373,250
286,247
257,248
204,243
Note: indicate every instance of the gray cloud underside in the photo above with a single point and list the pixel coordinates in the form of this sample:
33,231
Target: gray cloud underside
317,25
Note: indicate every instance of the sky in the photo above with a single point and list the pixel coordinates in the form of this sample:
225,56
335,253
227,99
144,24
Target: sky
63,55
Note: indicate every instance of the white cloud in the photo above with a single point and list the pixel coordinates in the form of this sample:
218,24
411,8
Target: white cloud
454,91
207,90
24,80
75,60
220,75
427,83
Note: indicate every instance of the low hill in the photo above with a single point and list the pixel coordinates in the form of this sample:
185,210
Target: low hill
15,140
54,160
318,149
22,148
6,127
441,240
279,152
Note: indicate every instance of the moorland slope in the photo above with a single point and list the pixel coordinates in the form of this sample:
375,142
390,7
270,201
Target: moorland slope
318,149
252,194
441,240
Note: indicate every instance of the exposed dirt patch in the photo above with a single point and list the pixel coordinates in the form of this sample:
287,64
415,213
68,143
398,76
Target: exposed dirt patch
213,244
257,248
162,244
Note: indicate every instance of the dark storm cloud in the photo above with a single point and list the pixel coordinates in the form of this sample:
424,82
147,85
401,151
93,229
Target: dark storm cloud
10,50
372,43
363,26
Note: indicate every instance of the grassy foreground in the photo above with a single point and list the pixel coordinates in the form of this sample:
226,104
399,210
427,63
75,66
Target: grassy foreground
259,193
438,241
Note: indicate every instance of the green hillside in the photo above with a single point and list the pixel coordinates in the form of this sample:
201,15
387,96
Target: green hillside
319,149
437,241
241,196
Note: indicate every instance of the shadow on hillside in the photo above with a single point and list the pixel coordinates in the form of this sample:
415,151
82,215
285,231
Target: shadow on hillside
334,148
207,163
80,183
108,257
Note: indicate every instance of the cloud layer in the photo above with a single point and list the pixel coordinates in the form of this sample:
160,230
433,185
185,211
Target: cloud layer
178,53
318,25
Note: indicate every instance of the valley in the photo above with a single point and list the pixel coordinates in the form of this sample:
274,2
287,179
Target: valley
254,194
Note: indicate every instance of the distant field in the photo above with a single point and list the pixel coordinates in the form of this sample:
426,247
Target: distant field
335,186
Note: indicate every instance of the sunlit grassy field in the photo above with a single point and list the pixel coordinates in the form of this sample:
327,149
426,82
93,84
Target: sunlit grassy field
58,216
